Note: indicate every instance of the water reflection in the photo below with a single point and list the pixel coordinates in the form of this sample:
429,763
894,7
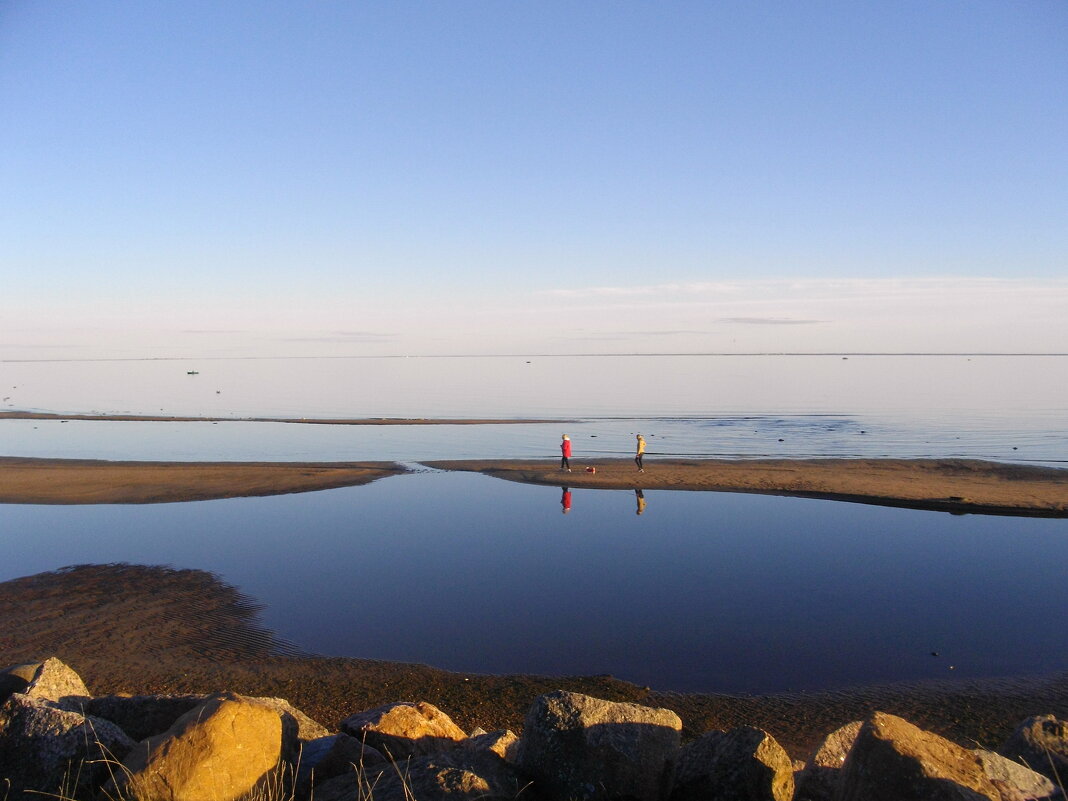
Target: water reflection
715,592
565,500
639,496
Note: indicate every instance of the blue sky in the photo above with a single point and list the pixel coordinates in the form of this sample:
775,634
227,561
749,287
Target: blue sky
266,178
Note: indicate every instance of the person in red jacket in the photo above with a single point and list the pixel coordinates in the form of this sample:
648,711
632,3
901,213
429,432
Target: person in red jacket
565,453
565,501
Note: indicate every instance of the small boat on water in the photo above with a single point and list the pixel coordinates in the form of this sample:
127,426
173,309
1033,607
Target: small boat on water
191,372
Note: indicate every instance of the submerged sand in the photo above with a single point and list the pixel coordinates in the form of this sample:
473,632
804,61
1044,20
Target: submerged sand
951,485
146,630
86,481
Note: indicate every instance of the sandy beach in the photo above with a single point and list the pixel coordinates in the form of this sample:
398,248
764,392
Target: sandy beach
85,481
146,630
950,485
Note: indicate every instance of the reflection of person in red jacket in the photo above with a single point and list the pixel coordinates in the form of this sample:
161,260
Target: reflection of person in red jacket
565,501
565,453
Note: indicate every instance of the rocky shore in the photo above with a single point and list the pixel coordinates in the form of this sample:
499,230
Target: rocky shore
57,738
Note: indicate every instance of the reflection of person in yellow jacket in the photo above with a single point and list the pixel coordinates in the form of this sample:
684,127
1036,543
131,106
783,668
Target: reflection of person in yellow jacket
640,453
639,496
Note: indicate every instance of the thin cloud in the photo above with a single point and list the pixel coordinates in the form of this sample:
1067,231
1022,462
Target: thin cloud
345,336
767,321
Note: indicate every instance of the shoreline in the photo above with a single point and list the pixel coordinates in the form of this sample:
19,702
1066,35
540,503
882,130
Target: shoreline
325,421
156,630
957,486
93,481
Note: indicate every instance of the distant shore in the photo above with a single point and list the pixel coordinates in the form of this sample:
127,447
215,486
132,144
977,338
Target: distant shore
324,421
948,485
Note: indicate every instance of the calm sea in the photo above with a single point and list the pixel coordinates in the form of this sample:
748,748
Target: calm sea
1012,408
701,591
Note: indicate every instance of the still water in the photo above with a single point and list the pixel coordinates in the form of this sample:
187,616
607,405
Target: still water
702,591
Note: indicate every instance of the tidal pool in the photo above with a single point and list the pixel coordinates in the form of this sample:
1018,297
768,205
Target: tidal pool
713,592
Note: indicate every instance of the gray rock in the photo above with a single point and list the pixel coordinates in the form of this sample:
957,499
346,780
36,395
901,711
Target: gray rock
743,764
50,750
456,775
578,748
142,716
503,743
892,760
405,729
819,778
51,680
1014,780
335,755
1041,743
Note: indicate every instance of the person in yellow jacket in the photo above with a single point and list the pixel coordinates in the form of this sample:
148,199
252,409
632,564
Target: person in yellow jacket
640,453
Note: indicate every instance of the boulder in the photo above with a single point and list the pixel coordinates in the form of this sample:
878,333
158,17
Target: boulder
503,743
51,680
55,751
892,760
328,757
220,750
1041,743
404,729
143,716
1014,781
819,778
578,747
743,764
456,775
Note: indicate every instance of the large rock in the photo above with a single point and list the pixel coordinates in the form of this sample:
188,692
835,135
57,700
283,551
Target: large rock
51,680
405,729
1015,782
335,755
892,760
743,764
144,716
503,743
576,747
1041,743
220,750
456,775
50,750
819,778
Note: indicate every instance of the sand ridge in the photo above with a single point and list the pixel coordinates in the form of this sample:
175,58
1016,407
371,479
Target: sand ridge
951,485
87,481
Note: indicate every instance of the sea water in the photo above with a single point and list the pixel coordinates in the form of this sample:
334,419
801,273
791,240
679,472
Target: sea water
716,592
1009,408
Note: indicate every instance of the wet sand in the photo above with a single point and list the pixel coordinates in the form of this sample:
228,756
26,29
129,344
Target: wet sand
85,481
143,630
949,485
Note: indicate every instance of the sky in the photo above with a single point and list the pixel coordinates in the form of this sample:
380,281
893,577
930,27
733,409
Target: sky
204,179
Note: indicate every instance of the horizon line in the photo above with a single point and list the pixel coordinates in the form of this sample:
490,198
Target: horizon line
533,355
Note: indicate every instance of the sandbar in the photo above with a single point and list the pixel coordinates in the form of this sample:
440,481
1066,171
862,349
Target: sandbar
87,481
950,485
